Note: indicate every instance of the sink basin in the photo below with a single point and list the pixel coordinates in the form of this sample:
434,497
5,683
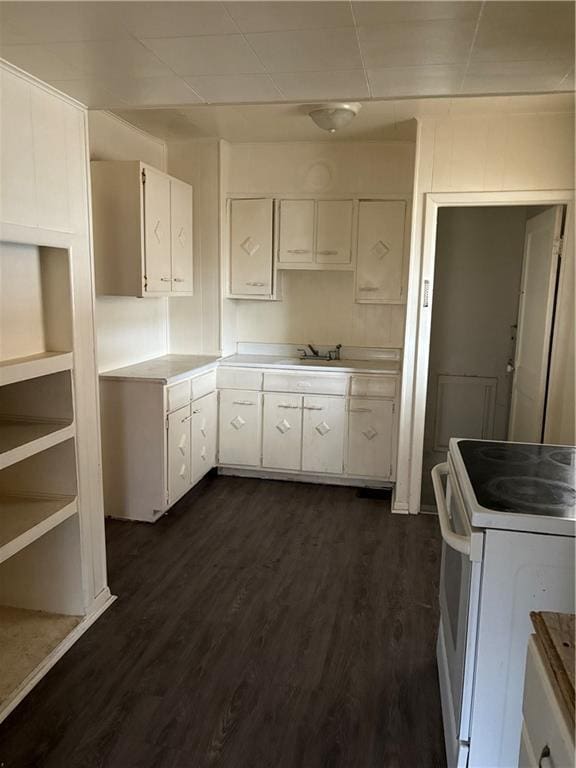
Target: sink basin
312,362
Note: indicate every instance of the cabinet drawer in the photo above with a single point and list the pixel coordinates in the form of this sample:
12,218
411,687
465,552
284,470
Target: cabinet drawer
544,721
239,378
319,384
203,385
178,395
373,386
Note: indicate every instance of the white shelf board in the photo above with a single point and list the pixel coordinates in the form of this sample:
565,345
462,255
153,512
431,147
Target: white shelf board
27,639
23,519
23,368
20,438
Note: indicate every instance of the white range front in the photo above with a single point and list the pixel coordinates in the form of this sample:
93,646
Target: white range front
500,560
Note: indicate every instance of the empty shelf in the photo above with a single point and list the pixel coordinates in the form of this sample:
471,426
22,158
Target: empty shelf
21,438
27,638
22,368
23,519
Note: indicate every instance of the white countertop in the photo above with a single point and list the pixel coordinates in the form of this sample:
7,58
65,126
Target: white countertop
167,369
294,363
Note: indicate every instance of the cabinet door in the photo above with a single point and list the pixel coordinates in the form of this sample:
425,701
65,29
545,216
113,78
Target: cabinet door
240,427
380,259
158,277
334,232
251,247
204,425
296,233
323,434
178,453
181,236
370,438
282,431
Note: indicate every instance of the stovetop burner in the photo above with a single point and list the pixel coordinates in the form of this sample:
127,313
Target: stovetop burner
525,478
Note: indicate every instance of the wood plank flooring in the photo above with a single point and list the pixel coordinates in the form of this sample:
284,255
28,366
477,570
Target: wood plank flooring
260,624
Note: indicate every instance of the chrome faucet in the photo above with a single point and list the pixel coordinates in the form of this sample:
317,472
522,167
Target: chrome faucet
311,353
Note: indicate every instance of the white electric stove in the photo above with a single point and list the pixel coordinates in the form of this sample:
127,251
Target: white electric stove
508,519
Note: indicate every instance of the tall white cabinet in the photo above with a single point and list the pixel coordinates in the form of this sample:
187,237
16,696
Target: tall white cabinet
143,230
52,550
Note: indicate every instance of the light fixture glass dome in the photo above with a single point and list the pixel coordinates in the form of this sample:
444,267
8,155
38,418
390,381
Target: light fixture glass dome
332,117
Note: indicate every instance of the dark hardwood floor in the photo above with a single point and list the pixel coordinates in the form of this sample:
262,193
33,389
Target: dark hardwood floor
259,625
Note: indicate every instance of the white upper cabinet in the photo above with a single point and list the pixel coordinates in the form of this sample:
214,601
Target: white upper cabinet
296,235
334,232
157,276
251,248
323,423
380,255
315,234
142,221
181,229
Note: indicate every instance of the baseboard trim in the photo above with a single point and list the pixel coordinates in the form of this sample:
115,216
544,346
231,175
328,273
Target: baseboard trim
300,477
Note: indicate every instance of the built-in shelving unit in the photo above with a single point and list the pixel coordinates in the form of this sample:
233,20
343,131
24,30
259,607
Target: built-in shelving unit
41,582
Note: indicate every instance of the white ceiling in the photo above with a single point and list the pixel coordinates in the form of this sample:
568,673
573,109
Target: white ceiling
390,120
152,54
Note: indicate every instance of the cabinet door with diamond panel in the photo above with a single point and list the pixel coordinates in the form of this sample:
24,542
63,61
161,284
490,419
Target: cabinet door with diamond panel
203,436
370,438
251,247
282,431
323,434
240,427
178,453
380,257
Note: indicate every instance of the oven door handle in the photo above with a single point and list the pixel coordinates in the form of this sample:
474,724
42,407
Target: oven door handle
453,539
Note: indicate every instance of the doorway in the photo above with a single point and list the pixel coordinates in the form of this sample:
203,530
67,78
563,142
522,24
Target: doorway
495,282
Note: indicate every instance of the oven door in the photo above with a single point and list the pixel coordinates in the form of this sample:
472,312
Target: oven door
460,576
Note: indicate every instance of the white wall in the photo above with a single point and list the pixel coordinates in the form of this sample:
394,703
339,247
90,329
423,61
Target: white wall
505,151
195,320
318,306
477,274
127,329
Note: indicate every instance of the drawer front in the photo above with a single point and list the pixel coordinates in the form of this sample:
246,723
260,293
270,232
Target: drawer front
239,378
374,386
203,385
318,384
546,726
178,395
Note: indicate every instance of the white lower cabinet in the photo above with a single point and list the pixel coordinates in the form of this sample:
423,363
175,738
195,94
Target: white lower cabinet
371,435
323,423
240,427
282,431
179,465
204,426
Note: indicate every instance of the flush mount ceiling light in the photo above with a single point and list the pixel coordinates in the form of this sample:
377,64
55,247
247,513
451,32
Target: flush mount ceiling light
331,117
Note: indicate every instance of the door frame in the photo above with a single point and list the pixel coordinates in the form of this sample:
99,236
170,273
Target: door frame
418,322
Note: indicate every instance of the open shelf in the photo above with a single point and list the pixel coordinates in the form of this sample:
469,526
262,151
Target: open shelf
27,638
32,366
21,438
24,519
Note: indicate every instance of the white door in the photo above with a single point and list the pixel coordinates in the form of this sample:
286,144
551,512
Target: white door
203,436
296,232
178,453
535,313
251,247
282,431
334,232
323,434
380,257
181,236
370,438
240,427
157,231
